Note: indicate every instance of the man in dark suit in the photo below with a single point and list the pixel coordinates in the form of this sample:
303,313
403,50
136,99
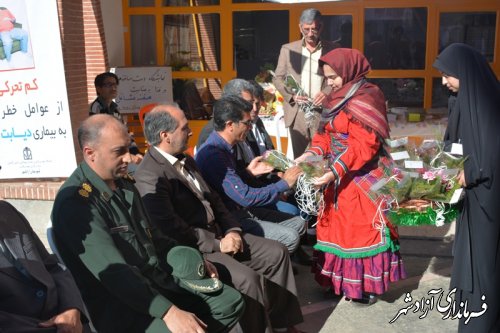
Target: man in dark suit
300,60
181,204
257,138
36,293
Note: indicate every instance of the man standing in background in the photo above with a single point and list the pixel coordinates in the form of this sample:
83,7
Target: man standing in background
300,60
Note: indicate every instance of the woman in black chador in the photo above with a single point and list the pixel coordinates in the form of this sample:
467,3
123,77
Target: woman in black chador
474,122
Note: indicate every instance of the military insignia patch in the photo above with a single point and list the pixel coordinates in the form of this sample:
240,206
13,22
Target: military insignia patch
87,187
106,196
83,193
85,190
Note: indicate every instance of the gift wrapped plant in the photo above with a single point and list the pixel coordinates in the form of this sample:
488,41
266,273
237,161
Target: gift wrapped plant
313,166
277,160
396,186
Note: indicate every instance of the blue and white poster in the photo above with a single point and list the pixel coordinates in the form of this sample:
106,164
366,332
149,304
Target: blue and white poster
36,140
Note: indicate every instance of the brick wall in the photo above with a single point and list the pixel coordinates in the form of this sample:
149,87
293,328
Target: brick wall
84,53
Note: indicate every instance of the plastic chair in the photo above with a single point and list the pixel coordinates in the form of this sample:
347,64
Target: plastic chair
143,110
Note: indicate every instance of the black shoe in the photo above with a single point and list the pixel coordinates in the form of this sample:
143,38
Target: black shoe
367,300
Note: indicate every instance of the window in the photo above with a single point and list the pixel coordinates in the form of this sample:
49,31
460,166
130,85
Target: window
143,49
258,37
190,3
474,29
338,28
186,47
403,91
395,37
141,3
440,94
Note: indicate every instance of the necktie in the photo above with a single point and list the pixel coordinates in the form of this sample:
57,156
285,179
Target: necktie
196,188
259,138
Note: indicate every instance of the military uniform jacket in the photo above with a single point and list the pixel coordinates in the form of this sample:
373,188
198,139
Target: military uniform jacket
43,290
176,209
117,259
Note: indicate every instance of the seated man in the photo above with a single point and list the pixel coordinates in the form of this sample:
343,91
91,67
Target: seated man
117,257
243,151
257,139
36,293
182,205
218,166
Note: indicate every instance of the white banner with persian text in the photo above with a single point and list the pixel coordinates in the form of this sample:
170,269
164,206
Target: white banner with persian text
140,86
36,140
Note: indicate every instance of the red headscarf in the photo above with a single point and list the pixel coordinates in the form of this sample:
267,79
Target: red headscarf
367,104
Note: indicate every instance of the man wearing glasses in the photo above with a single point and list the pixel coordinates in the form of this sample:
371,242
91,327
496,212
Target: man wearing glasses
299,59
106,86
244,198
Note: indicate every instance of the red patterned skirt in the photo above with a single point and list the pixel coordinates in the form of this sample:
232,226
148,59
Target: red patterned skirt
354,276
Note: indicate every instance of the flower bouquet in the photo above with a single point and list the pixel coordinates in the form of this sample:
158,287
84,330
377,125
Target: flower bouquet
427,185
448,161
396,186
277,160
273,100
309,197
313,166
432,192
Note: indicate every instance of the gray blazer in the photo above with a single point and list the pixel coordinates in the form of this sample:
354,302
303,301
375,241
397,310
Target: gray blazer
291,61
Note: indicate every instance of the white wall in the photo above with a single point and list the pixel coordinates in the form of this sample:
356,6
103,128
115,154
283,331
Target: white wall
113,30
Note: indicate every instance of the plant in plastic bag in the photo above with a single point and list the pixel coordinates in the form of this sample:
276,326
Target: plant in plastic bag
277,160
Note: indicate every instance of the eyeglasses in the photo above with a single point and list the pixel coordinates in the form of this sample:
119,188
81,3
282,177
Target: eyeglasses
247,123
306,31
110,85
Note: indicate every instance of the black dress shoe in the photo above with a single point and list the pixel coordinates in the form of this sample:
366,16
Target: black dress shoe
367,300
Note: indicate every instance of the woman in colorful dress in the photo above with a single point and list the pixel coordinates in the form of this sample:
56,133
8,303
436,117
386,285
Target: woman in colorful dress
357,249
474,125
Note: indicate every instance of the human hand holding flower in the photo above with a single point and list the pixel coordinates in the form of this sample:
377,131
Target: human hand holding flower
319,98
325,179
303,157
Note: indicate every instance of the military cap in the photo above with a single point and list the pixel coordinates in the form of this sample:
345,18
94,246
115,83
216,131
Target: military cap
188,269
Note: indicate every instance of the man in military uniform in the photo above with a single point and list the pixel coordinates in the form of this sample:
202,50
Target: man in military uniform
117,257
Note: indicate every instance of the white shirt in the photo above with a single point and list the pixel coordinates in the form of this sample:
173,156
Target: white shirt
310,79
